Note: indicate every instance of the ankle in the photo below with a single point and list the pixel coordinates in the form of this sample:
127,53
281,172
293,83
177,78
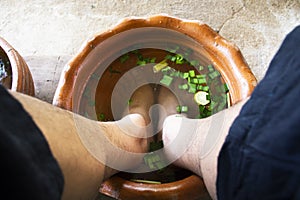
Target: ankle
183,139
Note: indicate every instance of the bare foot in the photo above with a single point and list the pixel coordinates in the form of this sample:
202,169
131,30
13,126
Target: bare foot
131,133
140,102
183,141
168,103
195,144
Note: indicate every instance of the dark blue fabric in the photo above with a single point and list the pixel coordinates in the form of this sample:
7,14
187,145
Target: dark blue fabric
260,158
27,170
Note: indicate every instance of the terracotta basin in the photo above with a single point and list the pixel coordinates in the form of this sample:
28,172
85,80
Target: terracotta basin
19,76
82,74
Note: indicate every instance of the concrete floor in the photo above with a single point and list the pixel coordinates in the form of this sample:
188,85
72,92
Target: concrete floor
48,33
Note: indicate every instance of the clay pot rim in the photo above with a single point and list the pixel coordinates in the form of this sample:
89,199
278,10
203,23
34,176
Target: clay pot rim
237,70
11,54
183,188
21,76
154,187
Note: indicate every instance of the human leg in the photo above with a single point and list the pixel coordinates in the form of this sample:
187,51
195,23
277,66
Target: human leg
82,171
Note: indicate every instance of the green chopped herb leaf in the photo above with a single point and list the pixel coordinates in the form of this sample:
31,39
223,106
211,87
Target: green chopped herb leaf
152,160
192,88
168,57
210,68
195,80
159,66
201,76
147,60
179,59
173,50
201,108
212,105
201,81
192,73
199,87
166,69
183,86
141,62
194,63
184,109
129,102
101,117
160,165
175,73
173,58
226,87
124,58
145,181
214,74
155,146
185,75
205,88
166,80
136,51
178,109
113,71
152,60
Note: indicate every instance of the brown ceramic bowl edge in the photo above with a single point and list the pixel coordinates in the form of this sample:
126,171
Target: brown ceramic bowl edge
22,80
217,46
131,190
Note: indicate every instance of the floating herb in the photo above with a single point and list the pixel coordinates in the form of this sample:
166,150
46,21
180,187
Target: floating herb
129,102
182,109
174,50
214,74
192,88
192,73
156,146
152,60
153,161
179,59
145,181
159,66
101,117
113,71
124,58
210,68
166,80
226,87
141,62
194,63
183,86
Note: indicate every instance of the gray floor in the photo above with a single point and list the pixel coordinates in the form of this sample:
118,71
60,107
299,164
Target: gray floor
49,33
